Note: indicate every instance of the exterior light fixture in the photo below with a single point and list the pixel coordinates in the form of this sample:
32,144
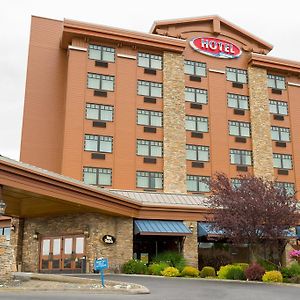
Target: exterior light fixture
35,235
191,227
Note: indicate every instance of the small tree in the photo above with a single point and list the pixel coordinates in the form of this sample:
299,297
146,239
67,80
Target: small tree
255,212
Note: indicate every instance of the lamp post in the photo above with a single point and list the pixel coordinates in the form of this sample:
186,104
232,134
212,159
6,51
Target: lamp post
2,203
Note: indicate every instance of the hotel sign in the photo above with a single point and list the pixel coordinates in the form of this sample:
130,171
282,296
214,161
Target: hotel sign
216,47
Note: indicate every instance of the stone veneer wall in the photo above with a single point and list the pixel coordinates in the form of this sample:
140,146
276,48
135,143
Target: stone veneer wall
16,238
260,123
174,124
7,260
98,225
190,246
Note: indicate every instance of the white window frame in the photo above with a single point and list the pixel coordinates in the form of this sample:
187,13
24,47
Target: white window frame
196,119
100,112
102,51
199,68
277,104
283,159
98,172
273,82
280,131
150,115
150,145
199,182
239,99
244,157
154,180
239,126
197,95
150,88
153,61
197,149
240,75
101,80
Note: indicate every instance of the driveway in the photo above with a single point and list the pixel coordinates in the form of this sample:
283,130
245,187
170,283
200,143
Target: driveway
175,289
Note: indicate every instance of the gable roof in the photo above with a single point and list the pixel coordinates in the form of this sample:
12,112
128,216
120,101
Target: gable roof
217,23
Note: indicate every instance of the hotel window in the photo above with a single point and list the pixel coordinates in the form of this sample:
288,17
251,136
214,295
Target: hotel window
199,153
281,134
6,232
149,148
282,161
98,143
148,88
197,183
199,124
100,82
196,95
238,101
150,180
99,112
149,61
194,68
239,128
97,176
236,75
101,53
287,186
240,157
276,82
236,183
149,118
278,107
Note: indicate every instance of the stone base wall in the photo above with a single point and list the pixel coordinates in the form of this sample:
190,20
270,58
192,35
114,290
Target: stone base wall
97,225
7,260
16,238
190,246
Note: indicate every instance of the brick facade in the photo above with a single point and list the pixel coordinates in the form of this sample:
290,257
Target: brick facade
174,124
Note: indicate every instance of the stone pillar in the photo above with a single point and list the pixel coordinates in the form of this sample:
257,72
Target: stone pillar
7,260
16,240
190,246
174,124
260,123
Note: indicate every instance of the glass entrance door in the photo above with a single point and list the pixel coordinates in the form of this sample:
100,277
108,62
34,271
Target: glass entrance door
64,253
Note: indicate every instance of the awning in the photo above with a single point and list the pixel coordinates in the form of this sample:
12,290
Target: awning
207,229
158,227
298,232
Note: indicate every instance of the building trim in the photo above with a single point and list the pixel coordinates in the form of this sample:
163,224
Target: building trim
217,71
294,84
126,56
70,47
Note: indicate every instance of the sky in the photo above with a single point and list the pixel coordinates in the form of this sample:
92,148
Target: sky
276,22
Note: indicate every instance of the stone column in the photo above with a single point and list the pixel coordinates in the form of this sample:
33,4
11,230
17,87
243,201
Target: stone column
7,260
174,124
16,240
190,246
260,123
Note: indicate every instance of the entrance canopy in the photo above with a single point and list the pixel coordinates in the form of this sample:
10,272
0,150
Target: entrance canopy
158,227
207,229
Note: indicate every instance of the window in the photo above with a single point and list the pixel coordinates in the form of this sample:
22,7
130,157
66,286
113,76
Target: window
287,186
98,143
276,82
194,68
238,101
149,118
6,232
236,183
197,183
99,112
240,157
100,82
195,152
149,61
151,89
149,148
196,123
101,53
236,75
239,128
97,176
281,134
151,180
278,107
282,161
196,95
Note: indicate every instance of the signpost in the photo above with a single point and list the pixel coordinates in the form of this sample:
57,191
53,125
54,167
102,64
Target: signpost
100,265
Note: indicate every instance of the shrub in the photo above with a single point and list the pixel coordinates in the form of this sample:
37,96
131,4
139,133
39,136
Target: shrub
217,259
272,276
189,271
208,272
156,269
243,266
173,259
267,265
134,266
295,279
170,272
231,272
255,272
292,271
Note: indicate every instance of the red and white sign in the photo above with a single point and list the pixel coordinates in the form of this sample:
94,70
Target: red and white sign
216,47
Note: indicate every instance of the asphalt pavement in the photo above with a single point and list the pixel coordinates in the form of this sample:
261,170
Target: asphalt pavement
174,289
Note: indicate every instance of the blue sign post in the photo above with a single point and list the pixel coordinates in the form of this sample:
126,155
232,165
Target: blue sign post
100,265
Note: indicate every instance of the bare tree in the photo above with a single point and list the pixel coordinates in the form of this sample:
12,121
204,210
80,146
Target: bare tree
255,212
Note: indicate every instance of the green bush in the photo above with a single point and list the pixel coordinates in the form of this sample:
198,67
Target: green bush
272,276
292,271
208,272
189,271
170,272
231,272
243,266
173,259
134,266
156,269
267,265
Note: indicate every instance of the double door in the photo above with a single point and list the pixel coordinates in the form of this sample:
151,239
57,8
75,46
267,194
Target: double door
62,254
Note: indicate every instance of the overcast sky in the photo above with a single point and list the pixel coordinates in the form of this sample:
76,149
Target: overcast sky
276,22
